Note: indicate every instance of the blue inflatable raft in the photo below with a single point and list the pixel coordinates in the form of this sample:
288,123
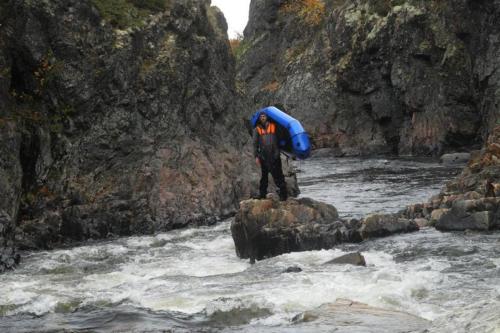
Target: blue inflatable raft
292,137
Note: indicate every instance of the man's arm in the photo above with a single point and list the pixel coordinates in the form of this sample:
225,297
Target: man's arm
255,143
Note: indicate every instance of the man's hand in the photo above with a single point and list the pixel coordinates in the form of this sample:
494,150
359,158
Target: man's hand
257,161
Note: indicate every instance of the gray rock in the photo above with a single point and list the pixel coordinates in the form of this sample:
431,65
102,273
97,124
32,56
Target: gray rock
293,269
422,222
437,214
356,259
459,220
380,225
455,158
349,316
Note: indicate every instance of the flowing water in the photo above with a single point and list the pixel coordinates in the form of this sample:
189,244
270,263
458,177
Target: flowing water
191,280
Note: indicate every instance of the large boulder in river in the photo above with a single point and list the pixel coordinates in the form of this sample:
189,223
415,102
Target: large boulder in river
356,259
266,228
348,316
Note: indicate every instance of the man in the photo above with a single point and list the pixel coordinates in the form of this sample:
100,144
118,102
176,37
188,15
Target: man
267,155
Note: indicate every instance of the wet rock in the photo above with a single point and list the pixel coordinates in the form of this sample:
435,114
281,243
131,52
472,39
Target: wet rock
356,259
469,214
470,201
380,225
9,257
293,269
267,228
422,222
359,317
459,220
455,158
437,214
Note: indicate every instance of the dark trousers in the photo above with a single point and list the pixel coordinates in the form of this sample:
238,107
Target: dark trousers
279,179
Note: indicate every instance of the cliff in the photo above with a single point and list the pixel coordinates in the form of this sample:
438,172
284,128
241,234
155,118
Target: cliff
117,117
404,77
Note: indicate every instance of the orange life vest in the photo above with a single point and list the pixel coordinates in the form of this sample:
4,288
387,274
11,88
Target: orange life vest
271,129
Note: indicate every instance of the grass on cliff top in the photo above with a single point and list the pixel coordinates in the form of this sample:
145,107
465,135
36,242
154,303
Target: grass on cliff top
124,14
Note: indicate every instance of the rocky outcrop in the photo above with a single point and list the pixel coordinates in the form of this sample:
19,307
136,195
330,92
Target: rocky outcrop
116,120
359,317
267,228
472,200
377,76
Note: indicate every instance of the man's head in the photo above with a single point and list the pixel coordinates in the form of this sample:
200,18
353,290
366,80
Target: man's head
262,118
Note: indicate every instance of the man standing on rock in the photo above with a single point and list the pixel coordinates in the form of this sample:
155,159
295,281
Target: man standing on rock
267,155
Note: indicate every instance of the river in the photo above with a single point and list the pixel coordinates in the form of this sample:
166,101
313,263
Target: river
191,280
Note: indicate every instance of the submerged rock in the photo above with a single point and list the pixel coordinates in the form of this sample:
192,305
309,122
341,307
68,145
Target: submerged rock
293,269
267,228
356,259
362,318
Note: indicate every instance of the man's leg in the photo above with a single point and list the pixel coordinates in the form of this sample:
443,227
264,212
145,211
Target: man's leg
279,179
264,180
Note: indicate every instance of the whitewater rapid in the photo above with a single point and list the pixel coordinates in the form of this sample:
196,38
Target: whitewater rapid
191,280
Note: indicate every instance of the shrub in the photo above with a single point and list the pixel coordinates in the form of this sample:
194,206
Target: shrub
309,11
152,5
128,13
381,7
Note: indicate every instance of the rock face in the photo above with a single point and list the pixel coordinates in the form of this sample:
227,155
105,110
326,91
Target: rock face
472,200
116,123
348,316
349,71
267,228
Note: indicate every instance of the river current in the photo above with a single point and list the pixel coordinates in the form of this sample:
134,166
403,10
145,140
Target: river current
191,280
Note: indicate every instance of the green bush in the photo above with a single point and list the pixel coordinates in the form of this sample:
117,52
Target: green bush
152,5
128,13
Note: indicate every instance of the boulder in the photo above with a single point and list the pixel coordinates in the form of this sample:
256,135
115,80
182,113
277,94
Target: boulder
267,228
348,316
293,269
480,214
355,259
455,158
422,222
381,225
457,220
438,213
